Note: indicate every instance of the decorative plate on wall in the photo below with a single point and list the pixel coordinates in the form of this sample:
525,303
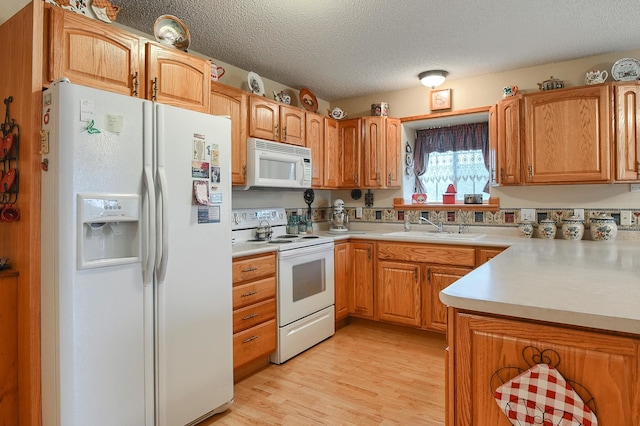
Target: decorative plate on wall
626,69
171,31
256,85
308,99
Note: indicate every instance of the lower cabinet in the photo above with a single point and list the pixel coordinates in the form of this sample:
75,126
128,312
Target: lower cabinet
485,351
362,297
342,272
410,278
8,347
254,312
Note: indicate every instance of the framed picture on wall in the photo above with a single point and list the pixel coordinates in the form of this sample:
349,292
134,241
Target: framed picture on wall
440,99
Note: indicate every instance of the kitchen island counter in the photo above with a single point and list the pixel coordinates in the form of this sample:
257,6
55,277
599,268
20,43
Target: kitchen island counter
583,283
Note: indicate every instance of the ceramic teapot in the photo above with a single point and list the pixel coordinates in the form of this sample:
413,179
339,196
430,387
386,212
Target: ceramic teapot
552,83
596,77
337,113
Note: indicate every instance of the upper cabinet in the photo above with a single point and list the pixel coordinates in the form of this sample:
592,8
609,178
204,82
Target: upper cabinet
331,153
567,135
99,55
315,142
177,78
226,100
509,140
349,148
393,157
277,122
627,118
92,54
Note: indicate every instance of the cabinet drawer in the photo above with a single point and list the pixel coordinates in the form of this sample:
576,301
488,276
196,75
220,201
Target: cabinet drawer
253,314
254,343
428,253
253,292
249,268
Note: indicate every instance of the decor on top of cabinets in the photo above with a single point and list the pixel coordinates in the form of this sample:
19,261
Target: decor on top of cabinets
626,69
595,77
440,99
337,113
170,30
551,84
256,85
380,109
100,9
9,166
308,100
509,91
282,97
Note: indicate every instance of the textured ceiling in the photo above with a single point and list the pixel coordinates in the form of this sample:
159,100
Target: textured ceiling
346,48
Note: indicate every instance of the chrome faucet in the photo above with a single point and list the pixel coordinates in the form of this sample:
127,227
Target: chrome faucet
439,226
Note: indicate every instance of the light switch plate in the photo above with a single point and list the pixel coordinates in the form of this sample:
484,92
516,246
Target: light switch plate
299,212
634,187
625,218
579,213
528,214
358,212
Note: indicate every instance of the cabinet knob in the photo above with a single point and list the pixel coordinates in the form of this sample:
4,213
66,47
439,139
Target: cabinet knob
136,83
251,293
389,182
285,132
154,84
249,339
276,128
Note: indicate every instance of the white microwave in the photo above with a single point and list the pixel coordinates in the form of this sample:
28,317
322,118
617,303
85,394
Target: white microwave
277,165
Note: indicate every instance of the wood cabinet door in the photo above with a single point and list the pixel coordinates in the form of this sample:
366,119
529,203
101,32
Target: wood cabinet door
493,144
9,350
485,349
342,272
567,137
331,153
230,101
484,255
393,162
315,142
292,125
350,141
437,278
264,120
177,78
373,151
91,53
361,299
509,134
398,292
627,107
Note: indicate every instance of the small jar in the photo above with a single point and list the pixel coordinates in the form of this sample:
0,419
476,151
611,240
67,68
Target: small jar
572,228
309,226
547,229
292,226
526,229
302,227
603,228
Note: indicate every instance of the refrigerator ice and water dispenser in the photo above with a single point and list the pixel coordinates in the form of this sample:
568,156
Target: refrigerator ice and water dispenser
109,231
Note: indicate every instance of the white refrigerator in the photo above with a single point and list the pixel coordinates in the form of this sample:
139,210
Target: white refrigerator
136,261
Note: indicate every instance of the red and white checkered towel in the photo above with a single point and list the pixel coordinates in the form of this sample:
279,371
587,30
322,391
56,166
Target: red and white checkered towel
541,396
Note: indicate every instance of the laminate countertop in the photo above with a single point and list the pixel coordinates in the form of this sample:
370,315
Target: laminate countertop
592,284
586,283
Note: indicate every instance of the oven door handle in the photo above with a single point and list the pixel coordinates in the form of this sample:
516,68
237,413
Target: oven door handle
302,251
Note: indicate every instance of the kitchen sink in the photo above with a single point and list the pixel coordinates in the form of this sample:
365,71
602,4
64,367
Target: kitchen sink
432,235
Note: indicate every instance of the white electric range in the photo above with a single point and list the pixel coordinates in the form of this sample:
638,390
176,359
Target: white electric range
305,293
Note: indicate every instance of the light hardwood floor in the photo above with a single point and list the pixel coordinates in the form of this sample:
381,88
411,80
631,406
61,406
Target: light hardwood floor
366,374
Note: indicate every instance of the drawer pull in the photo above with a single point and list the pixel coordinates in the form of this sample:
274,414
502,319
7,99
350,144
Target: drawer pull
249,269
249,339
251,293
250,316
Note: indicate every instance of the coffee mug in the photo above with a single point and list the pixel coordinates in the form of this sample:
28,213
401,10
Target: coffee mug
508,91
596,77
216,72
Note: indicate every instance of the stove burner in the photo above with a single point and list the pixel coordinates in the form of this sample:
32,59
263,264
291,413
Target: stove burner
280,242
288,236
310,237
257,241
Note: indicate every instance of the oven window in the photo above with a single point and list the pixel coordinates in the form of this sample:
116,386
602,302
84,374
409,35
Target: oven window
308,279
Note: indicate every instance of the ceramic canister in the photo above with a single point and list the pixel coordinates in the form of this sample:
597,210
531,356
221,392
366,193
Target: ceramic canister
547,229
572,228
603,228
526,229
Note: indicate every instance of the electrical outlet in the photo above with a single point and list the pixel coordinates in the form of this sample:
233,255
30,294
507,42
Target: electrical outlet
528,214
634,187
299,212
358,212
625,218
579,213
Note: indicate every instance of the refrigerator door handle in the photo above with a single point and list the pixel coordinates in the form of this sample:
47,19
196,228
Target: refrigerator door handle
164,226
151,225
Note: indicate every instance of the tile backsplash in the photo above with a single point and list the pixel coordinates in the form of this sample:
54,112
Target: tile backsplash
501,217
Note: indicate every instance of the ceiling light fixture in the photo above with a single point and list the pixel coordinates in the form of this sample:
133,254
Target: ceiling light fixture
432,78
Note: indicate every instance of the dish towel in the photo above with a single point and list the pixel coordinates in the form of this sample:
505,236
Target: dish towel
541,396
